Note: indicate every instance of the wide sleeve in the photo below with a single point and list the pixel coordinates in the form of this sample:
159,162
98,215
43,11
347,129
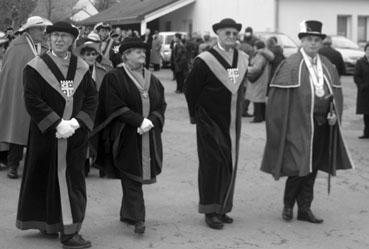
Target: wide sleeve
40,112
157,115
114,99
194,85
86,115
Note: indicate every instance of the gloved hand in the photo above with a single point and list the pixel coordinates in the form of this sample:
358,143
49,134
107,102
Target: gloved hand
74,123
145,126
64,129
332,118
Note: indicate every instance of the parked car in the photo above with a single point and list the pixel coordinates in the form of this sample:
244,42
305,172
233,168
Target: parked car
350,51
166,51
289,46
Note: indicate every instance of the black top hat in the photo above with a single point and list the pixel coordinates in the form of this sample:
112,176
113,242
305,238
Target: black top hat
132,42
227,23
311,27
63,27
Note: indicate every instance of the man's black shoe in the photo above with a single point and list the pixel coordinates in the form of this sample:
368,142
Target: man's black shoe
364,137
307,215
287,213
213,221
140,227
13,173
76,242
225,219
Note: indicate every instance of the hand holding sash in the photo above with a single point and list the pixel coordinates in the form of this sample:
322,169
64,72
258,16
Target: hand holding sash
64,129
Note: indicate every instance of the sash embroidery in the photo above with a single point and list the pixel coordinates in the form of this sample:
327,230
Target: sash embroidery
67,87
233,74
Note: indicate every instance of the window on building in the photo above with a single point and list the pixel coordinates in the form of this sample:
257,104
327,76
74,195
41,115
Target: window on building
362,28
168,26
344,25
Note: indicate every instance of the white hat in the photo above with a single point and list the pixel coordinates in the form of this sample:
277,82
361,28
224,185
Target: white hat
92,40
35,21
3,38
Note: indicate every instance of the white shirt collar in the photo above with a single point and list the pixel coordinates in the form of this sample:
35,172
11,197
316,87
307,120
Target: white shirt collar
223,49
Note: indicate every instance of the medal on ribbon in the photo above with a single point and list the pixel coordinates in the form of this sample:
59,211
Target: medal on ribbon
67,87
233,74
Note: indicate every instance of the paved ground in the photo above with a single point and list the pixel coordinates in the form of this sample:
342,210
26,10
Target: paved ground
172,218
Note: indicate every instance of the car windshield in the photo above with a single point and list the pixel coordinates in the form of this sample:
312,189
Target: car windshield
343,42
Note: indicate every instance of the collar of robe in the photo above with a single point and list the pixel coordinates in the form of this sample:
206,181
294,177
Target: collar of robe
141,81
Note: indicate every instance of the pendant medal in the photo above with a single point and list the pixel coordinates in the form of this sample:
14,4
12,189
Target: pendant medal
145,94
319,92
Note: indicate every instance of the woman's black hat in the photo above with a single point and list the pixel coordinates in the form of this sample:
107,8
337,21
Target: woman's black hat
63,27
132,42
227,23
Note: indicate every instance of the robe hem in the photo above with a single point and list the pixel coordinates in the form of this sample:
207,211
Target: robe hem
49,228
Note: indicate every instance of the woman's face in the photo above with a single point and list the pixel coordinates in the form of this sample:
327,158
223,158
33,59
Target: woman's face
136,56
90,57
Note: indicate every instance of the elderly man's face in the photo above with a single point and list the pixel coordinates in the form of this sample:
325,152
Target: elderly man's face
136,56
311,44
37,33
228,37
61,41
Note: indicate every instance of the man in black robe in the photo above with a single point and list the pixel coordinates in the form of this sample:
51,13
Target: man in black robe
129,124
61,99
214,94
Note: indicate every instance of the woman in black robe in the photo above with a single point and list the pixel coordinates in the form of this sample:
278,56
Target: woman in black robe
128,129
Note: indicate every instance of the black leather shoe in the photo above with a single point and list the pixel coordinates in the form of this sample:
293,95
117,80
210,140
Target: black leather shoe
364,137
140,227
225,218
213,221
76,242
13,173
287,213
308,216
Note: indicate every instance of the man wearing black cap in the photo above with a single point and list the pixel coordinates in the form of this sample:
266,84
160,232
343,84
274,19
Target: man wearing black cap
131,109
303,123
61,99
214,94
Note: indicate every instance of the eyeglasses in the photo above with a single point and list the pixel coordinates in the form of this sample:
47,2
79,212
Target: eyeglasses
229,33
90,54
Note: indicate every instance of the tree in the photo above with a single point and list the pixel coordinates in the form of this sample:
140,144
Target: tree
55,10
101,5
15,12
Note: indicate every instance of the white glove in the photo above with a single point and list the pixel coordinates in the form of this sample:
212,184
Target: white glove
145,126
64,129
74,123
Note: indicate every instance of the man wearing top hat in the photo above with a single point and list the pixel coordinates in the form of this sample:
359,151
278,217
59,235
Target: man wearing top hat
303,123
15,120
61,99
214,95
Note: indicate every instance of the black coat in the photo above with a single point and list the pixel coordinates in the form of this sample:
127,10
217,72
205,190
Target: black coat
335,57
361,78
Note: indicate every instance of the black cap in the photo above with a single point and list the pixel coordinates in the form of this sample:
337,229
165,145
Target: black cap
132,42
63,27
227,23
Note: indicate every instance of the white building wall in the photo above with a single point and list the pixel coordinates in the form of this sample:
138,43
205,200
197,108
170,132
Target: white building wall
258,14
292,12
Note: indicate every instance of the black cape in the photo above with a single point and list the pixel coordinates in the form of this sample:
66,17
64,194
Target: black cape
215,105
45,186
115,141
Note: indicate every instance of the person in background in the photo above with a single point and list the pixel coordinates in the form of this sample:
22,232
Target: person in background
214,96
61,99
258,75
206,44
361,78
131,117
155,57
147,38
303,130
180,62
277,50
103,30
14,125
333,55
114,55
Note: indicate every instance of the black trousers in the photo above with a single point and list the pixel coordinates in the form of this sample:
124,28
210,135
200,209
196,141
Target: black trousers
15,155
133,204
180,77
300,189
366,124
259,112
